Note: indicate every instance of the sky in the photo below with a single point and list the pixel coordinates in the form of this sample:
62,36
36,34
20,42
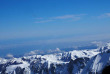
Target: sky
26,23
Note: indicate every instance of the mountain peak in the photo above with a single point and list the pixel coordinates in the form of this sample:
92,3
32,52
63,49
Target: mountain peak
71,62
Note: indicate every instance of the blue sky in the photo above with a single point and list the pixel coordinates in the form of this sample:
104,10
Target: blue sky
37,22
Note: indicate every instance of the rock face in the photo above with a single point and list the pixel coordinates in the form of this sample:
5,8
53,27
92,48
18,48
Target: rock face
106,70
73,62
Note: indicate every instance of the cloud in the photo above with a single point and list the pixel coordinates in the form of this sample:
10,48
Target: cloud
105,15
73,17
35,52
70,17
54,51
43,21
100,43
65,17
39,18
57,49
32,53
42,52
108,14
9,56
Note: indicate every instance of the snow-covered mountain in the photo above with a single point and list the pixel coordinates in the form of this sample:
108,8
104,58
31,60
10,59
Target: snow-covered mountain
73,62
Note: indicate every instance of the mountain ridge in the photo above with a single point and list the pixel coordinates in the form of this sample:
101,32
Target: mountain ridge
73,62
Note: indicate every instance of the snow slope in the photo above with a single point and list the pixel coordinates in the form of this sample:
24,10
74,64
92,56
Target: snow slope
73,62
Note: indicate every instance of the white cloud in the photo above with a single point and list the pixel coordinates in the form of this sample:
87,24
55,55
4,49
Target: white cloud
35,52
71,17
105,15
39,18
57,49
32,53
100,43
108,14
40,52
54,51
43,21
9,56
65,17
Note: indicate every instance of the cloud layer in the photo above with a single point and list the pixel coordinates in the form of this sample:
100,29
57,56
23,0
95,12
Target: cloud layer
105,15
70,17
41,52
9,56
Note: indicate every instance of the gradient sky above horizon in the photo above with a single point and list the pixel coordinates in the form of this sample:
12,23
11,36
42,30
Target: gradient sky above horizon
31,22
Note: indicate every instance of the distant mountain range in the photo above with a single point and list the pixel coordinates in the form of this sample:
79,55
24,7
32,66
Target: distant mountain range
91,61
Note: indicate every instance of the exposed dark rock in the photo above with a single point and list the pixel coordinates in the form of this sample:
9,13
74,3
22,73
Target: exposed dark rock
106,70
